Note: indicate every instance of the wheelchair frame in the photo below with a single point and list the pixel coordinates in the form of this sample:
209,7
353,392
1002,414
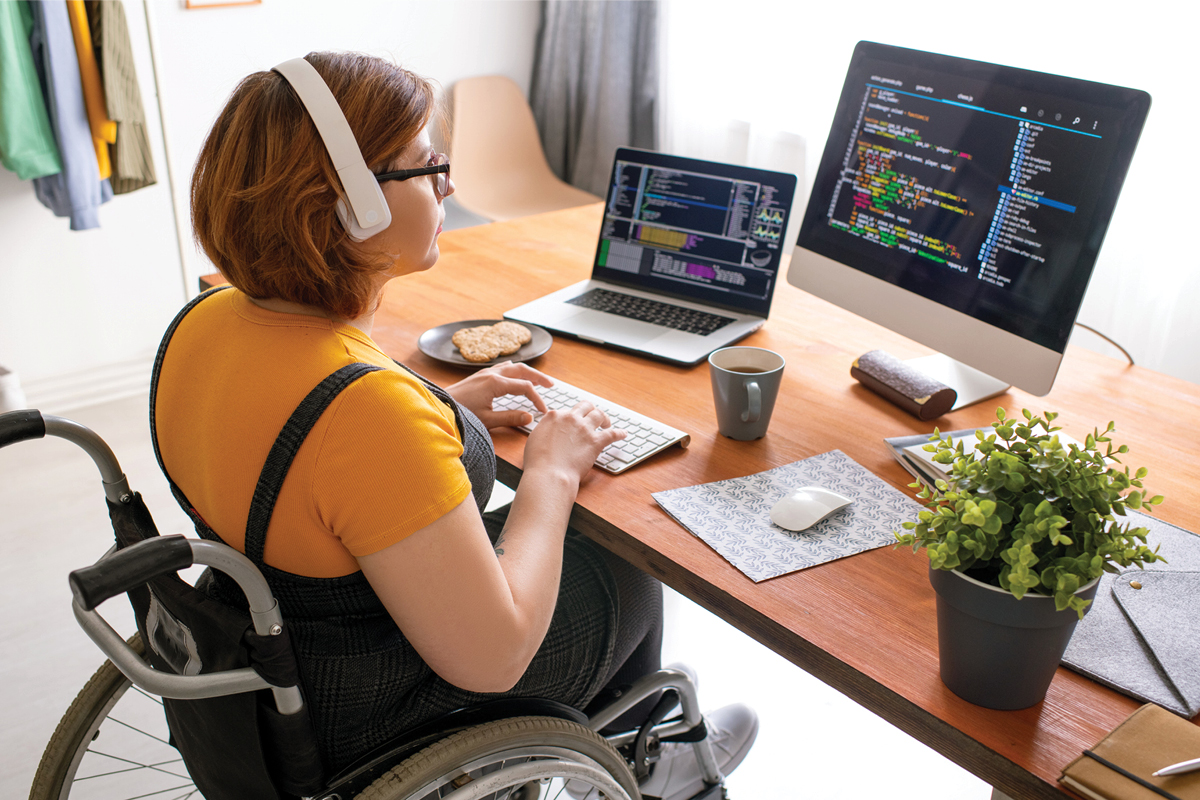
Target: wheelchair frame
499,750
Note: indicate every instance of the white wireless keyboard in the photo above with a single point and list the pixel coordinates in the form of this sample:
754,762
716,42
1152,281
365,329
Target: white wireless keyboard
644,436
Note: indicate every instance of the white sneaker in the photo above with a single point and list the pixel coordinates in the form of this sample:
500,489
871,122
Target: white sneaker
676,775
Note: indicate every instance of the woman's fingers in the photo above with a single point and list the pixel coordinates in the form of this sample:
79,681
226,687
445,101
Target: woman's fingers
523,372
521,388
513,418
599,417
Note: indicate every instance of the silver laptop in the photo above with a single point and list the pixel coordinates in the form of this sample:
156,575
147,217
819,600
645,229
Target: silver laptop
687,260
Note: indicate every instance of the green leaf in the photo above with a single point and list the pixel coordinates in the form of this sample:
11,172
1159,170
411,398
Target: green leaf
973,515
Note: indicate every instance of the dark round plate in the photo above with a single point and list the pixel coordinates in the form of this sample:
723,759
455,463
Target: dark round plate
436,344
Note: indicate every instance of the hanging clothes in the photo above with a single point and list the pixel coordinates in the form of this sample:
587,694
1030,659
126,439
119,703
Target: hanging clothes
76,192
27,145
132,162
104,130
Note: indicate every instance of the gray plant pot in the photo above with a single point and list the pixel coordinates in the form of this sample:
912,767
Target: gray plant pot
994,650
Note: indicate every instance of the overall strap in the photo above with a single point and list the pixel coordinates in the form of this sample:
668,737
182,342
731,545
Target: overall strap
284,450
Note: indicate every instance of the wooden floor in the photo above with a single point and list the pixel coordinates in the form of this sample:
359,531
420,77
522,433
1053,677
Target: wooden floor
813,743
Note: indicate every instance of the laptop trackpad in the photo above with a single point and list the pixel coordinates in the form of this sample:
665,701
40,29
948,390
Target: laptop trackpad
612,328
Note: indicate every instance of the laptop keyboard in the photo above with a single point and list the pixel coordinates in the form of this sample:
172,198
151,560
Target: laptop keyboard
668,314
644,436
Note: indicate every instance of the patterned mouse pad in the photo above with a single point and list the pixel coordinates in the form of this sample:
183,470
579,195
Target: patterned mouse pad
733,516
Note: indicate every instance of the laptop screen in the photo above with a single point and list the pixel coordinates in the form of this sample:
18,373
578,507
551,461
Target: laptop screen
697,230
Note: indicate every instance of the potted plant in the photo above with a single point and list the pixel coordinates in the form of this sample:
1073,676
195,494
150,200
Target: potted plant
1018,536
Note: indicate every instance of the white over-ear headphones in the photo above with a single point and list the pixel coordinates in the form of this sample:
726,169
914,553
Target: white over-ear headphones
368,213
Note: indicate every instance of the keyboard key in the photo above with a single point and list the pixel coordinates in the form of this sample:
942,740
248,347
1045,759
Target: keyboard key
669,315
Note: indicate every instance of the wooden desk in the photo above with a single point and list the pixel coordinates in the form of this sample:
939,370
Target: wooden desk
866,624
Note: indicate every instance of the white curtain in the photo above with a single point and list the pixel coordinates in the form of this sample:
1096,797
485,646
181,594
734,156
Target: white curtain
757,81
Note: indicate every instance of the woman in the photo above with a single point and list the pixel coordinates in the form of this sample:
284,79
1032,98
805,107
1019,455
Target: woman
404,600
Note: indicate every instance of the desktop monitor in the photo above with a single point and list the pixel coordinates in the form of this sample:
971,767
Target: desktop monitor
963,204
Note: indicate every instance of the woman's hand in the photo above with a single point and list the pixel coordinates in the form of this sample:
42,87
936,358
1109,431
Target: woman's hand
478,391
567,442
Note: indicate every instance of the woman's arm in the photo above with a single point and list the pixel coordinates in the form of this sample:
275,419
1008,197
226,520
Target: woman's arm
477,614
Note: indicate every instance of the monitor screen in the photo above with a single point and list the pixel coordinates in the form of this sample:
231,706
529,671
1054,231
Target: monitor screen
695,229
977,194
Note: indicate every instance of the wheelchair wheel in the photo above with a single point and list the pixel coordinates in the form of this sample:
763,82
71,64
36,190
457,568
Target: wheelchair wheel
509,759
112,743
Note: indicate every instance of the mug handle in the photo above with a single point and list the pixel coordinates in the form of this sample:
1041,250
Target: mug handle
752,413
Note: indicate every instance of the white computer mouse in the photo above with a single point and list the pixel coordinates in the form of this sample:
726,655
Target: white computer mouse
802,508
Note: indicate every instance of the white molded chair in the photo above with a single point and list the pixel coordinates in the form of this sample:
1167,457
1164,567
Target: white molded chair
500,170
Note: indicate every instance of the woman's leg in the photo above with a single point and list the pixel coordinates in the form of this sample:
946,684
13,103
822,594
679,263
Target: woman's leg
638,632
638,649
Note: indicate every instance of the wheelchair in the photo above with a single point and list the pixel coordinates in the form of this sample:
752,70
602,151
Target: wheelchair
115,739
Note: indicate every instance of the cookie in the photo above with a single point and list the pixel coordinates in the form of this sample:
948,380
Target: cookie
516,330
486,342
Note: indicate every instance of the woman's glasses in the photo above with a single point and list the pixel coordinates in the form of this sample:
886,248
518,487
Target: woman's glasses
439,167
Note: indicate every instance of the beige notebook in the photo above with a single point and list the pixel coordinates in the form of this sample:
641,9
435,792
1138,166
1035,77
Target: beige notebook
1121,766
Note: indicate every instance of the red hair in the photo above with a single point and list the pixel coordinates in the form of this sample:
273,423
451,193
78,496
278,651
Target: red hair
264,190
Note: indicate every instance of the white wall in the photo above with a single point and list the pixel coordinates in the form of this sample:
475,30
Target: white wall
791,59
204,53
81,312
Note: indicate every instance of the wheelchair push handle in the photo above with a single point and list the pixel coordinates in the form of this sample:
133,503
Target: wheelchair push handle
129,568
124,569
21,426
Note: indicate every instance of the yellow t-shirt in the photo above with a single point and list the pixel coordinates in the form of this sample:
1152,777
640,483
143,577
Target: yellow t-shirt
381,463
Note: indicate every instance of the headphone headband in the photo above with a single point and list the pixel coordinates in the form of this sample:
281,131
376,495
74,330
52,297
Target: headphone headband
370,212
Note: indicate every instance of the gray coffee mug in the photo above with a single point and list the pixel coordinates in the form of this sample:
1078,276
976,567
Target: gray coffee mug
745,382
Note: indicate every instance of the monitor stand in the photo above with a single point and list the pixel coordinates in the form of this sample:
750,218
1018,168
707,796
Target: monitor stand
969,384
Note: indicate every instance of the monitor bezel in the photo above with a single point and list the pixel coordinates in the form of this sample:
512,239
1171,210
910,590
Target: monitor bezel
1004,355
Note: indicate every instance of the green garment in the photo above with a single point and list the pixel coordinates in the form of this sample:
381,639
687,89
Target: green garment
27,145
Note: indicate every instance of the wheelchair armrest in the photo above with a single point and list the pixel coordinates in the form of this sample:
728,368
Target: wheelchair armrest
134,565
128,568
165,684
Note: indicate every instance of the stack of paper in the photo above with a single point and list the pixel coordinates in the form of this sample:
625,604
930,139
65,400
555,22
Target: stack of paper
911,453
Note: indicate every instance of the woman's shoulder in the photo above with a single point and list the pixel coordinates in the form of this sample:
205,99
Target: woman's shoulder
398,396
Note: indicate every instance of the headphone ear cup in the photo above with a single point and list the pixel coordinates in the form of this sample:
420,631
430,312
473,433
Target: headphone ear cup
350,221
